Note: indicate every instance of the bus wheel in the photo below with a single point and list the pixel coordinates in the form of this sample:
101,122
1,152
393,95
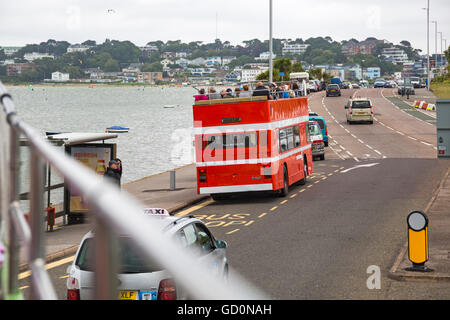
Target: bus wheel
305,173
284,192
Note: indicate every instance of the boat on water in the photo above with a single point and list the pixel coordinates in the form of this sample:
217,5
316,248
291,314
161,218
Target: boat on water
117,129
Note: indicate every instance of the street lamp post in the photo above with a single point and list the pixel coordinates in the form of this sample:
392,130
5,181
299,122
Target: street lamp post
428,44
270,44
435,37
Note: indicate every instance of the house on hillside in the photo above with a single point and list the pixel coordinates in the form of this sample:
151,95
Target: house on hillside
60,76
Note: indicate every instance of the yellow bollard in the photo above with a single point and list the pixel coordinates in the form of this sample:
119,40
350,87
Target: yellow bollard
418,241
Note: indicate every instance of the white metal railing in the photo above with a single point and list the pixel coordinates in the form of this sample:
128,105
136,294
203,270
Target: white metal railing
115,213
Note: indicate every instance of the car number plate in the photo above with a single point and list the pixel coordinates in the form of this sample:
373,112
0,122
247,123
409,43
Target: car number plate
361,113
127,295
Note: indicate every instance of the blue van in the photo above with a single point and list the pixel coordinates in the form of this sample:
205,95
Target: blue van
323,127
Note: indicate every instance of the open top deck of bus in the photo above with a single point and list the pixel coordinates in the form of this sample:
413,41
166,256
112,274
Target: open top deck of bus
247,111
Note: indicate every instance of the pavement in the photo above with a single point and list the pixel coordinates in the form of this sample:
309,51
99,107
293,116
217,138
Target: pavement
154,191
438,213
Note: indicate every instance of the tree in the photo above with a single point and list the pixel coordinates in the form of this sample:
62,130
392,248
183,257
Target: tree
283,65
297,67
91,43
2,55
265,75
111,65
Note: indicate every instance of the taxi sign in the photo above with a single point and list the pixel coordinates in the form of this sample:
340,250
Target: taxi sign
156,212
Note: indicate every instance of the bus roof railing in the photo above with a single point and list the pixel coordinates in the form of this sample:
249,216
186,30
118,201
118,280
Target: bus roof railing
115,213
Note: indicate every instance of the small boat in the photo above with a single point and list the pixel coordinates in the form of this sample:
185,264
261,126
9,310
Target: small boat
117,129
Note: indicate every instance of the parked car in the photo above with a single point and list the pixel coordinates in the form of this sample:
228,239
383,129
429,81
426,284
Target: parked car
333,90
139,280
358,110
316,138
323,126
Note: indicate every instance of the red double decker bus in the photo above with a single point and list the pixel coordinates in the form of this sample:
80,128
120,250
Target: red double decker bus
251,144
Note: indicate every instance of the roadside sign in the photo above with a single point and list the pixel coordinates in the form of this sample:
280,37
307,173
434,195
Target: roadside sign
156,211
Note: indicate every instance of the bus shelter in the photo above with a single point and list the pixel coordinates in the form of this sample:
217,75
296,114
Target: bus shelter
92,151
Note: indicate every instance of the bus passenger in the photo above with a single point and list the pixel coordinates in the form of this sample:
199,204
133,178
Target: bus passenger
237,92
296,90
261,90
201,95
213,94
245,93
226,93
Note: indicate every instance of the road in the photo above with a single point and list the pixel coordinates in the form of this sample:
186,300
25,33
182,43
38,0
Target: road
319,241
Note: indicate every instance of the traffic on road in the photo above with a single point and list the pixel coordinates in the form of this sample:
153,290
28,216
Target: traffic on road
367,177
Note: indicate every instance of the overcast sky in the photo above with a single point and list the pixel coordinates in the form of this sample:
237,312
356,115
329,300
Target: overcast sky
140,21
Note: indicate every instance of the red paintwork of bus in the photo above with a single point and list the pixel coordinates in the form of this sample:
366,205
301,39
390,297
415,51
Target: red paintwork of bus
260,163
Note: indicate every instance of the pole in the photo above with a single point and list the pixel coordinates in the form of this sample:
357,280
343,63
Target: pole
441,49
428,45
435,37
270,44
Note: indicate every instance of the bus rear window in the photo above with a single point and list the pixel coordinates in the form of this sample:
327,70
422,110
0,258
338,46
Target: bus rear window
233,140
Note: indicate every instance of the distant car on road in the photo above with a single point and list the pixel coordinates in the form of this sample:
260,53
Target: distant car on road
364,83
415,81
316,138
139,280
312,86
359,109
379,83
345,85
404,88
333,90
390,84
354,86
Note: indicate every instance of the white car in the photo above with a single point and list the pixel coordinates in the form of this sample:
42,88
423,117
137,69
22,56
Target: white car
138,280
359,110
312,86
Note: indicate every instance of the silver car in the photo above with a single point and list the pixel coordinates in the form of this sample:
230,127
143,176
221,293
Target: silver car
138,280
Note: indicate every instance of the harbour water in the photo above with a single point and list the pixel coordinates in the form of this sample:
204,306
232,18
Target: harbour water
159,118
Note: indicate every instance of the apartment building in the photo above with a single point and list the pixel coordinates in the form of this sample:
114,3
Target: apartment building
295,48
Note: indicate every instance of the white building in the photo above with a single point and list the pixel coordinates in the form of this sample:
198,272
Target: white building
227,60
249,75
265,56
198,61
9,51
181,54
395,55
77,48
371,73
295,48
36,55
60,76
